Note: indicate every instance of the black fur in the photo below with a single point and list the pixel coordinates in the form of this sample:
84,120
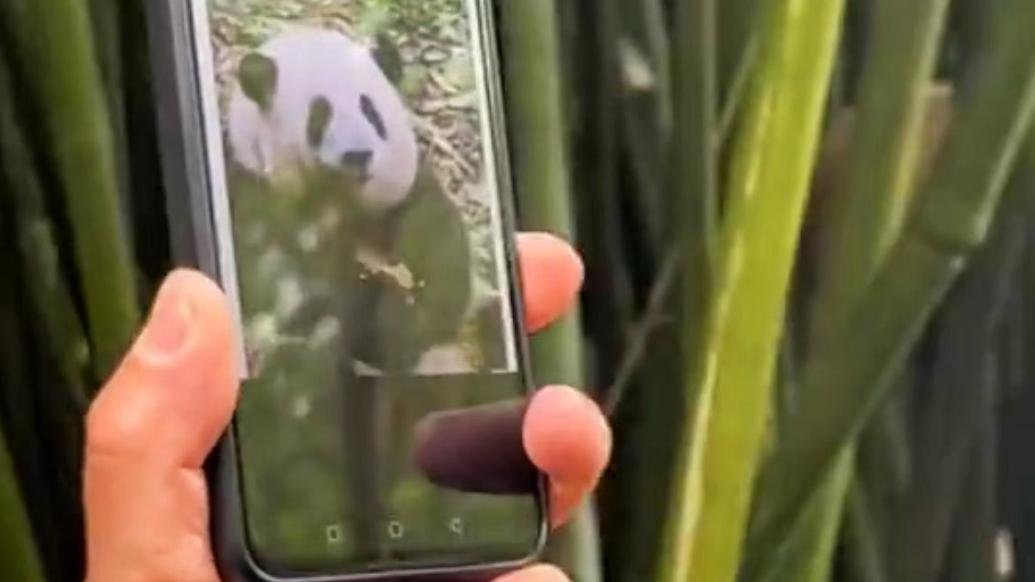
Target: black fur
320,113
373,116
386,55
258,77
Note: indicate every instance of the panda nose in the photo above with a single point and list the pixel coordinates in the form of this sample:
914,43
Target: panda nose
358,161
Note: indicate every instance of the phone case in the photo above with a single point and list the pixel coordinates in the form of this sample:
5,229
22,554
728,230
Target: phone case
194,244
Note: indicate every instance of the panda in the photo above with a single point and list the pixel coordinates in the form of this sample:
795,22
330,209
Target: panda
315,114
314,98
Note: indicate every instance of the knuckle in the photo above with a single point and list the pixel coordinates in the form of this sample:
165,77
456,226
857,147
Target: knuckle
110,431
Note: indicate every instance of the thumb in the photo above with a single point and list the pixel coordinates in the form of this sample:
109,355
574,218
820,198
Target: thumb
148,433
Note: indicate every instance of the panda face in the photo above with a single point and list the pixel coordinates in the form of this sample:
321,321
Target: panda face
316,99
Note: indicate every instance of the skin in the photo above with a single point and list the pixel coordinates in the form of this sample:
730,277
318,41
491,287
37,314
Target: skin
163,410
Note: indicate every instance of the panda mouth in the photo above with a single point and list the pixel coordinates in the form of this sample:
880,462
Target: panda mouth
361,177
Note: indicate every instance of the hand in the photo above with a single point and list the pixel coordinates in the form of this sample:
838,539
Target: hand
153,424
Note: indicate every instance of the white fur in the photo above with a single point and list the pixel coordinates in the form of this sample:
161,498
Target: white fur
313,62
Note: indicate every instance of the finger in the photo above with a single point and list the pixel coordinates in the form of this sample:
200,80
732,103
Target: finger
568,438
540,573
476,450
551,274
148,433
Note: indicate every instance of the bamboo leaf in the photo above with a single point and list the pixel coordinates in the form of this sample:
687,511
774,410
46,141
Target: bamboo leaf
772,165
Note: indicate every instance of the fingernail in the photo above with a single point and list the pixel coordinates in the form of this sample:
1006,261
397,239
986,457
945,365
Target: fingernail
169,327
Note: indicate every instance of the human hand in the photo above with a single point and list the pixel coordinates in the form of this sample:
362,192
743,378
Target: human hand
161,413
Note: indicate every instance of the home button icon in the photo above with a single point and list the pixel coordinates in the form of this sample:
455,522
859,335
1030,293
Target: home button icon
396,530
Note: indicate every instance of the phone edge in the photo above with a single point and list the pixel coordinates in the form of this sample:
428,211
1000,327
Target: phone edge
185,170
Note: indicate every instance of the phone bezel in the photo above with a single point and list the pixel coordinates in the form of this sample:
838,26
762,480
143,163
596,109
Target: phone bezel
187,178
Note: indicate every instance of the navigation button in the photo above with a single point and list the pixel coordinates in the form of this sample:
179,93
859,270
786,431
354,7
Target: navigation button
396,530
456,525
334,534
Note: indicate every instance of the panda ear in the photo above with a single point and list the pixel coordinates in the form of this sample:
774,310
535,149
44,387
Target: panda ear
257,74
387,56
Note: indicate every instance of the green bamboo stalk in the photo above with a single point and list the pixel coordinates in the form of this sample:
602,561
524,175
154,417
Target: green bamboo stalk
693,165
963,386
28,467
646,452
17,552
738,39
539,155
646,114
45,412
866,218
972,556
52,37
952,220
864,221
816,531
885,457
733,375
539,152
106,20
865,558
53,305
598,193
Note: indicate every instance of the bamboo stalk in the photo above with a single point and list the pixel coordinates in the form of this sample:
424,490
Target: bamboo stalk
951,220
885,456
609,303
867,216
963,381
17,552
539,153
771,169
865,558
815,530
149,221
972,555
646,118
693,166
45,406
737,51
863,221
19,482
52,37
53,305
680,289
106,20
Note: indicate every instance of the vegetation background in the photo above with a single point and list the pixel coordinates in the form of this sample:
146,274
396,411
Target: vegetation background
810,275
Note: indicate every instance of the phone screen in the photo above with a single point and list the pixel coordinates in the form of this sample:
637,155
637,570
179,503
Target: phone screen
358,186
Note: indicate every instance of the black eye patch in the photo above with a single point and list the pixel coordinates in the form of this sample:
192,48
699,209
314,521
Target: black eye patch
320,112
373,116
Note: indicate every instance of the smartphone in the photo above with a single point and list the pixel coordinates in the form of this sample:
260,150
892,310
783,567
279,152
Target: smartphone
340,167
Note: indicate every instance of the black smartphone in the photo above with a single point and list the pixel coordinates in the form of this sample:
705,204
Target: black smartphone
340,167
